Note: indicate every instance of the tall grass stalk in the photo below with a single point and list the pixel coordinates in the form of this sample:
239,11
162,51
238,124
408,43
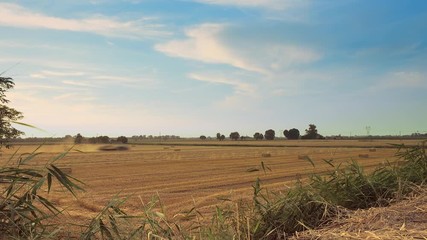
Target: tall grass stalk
25,211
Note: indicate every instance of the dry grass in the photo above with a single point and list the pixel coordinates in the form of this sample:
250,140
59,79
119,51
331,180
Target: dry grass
404,220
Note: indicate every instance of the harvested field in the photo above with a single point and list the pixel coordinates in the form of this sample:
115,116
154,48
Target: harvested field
202,173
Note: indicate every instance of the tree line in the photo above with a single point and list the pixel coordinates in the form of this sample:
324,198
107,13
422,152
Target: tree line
270,134
100,139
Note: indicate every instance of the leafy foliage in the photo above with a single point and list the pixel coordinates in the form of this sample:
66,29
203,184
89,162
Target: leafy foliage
234,135
78,139
258,136
220,137
122,139
270,134
292,133
311,133
8,115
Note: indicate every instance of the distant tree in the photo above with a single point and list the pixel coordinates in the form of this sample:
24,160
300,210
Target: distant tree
311,133
103,139
244,137
292,133
218,136
270,134
222,137
203,137
234,135
258,136
78,139
122,139
7,115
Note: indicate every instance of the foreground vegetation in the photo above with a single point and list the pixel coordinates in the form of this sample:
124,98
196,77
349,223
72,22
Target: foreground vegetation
27,212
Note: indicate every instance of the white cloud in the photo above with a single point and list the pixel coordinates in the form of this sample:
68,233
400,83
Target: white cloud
13,15
239,86
268,4
204,44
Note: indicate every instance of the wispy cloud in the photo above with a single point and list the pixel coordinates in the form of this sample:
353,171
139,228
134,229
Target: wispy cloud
239,86
48,74
204,44
14,15
78,83
90,78
75,97
268,4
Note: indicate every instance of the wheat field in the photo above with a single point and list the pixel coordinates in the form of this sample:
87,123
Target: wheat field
190,175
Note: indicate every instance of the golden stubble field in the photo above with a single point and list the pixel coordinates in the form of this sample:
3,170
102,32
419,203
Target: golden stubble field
184,175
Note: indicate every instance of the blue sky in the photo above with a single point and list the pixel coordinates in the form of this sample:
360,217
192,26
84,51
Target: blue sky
192,67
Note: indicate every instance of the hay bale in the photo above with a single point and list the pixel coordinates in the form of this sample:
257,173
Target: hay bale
266,154
364,155
122,148
372,150
113,148
302,157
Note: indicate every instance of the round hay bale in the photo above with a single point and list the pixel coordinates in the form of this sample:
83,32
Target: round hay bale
113,148
122,148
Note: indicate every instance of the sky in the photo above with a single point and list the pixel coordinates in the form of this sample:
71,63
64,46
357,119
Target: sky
193,67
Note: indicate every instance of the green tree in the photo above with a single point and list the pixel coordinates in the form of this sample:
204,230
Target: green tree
202,137
218,136
7,115
234,135
103,139
122,139
78,139
292,133
258,136
270,134
311,133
